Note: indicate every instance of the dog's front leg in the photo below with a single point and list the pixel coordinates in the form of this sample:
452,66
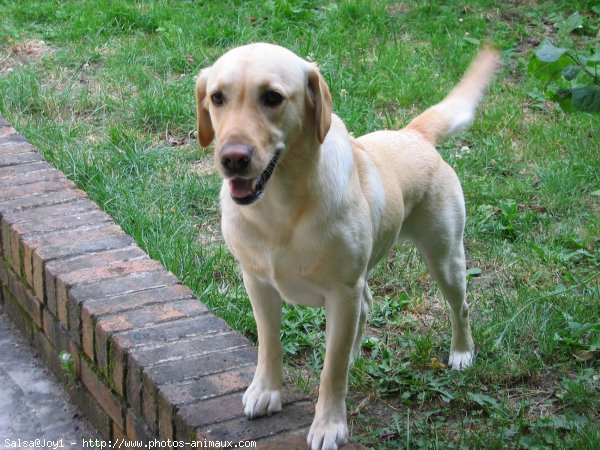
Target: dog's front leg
263,396
329,428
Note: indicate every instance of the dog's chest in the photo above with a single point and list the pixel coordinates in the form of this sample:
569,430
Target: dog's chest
303,268
294,272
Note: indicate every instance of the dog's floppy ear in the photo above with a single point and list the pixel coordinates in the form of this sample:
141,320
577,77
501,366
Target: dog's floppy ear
321,101
206,132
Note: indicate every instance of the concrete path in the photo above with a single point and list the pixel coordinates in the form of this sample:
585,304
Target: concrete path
33,405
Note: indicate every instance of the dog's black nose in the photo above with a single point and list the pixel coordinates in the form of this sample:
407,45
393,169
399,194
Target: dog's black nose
235,158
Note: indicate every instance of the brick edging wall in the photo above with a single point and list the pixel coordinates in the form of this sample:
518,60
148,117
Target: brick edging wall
149,359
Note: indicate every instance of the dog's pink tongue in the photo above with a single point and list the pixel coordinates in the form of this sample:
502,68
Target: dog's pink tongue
240,187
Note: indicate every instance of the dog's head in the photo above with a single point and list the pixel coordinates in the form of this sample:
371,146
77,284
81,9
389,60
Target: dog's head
259,102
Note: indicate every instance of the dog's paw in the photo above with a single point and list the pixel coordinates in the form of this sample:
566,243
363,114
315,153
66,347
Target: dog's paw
460,360
328,435
259,401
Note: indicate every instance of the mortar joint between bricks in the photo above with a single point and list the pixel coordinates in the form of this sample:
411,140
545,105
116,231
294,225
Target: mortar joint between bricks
144,399
185,339
93,335
212,352
154,303
110,366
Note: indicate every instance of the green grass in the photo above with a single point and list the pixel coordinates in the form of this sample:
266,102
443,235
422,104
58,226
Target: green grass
108,98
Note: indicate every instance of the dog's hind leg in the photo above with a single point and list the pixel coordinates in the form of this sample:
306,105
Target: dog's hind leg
446,263
437,232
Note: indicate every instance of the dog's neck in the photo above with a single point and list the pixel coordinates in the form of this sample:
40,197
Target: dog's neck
309,168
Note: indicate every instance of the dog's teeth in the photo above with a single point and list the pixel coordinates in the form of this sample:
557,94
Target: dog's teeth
255,184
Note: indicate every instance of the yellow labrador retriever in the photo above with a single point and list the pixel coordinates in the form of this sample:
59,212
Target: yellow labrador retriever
308,210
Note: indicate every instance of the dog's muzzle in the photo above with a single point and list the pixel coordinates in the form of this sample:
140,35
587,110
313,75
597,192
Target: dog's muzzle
235,160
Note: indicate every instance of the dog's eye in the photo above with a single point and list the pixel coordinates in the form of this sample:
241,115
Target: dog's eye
272,99
217,98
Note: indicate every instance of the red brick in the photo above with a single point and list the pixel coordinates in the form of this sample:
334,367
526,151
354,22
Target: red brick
198,366
91,309
75,206
9,219
38,213
120,439
170,332
13,143
45,254
26,299
37,172
66,281
41,187
55,332
7,131
106,288
11,137
87,404
60,238
56,267
50,198
15,173
166,426
189,347
62,222
135,427
134,300
65,265
55,223
292,417
142,358
122,343
16,313
199,391
118,435
50,355
59,230
205,412
149,404
111,270
19,158
108,401
3,272
100,329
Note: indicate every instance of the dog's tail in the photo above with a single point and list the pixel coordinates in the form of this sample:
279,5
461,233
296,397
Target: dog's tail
455,113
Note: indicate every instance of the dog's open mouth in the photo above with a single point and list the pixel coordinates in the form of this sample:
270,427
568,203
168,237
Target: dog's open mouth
245,191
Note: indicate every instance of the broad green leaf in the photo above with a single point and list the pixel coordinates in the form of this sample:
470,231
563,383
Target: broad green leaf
571,23
482,399
474,272
586,99
548,53
548,62
471,40
570,72
564,97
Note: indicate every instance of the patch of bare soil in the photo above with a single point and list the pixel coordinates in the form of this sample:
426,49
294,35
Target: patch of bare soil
22,53
205,165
